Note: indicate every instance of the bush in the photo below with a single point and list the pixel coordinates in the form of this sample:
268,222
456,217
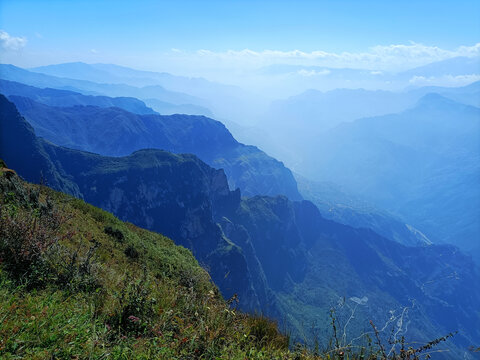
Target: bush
264,333
30,236
134,310
115,233
131,252
75,272
26,235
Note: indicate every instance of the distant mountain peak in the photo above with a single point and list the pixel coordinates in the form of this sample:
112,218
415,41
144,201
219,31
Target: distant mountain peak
438,101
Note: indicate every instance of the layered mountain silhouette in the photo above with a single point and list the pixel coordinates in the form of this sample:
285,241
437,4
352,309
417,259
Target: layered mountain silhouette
280,256
224,101
70,127
115,132
297,124
316,111
66,98
161,99
422,164
335,204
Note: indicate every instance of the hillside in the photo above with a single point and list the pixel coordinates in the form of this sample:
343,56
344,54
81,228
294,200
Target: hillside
176,195
279,256
115,132
82,284
313,265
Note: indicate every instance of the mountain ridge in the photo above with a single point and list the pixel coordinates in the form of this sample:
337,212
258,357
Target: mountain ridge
200,211
14,73
116,132
407,162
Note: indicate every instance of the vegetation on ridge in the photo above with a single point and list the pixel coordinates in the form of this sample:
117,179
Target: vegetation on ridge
76,282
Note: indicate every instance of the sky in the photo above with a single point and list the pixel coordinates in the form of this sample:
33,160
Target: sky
213,38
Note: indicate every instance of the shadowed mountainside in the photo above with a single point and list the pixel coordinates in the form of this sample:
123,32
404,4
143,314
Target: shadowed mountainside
116,132
66,98
278,255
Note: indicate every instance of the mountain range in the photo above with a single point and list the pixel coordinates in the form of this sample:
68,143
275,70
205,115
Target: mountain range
66,98
246,167
253,174
290,124
161,99
279,256
224,101
421,164
319,111
97,127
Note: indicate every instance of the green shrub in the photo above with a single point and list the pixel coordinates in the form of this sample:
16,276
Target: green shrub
131,252
115,233
135,308
30,236
26,236
75,272
264,333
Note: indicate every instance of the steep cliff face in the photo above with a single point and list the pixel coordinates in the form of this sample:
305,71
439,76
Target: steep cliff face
276,238
19,146
177,195
312,263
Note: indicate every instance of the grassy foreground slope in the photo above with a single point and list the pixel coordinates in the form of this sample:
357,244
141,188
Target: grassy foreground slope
76,282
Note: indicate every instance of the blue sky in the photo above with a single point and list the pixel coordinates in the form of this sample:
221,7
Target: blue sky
179,35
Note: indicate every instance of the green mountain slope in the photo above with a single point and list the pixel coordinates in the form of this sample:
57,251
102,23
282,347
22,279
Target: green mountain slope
176,195
313,265
76,282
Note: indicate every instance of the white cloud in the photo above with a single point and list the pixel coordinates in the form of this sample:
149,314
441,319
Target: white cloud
304,72
382,57
13,43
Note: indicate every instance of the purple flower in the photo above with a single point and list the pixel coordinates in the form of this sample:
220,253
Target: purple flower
133,318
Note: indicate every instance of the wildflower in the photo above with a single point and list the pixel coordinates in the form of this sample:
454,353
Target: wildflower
133,318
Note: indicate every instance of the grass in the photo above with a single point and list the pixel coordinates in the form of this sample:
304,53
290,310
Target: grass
77,283
77,291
